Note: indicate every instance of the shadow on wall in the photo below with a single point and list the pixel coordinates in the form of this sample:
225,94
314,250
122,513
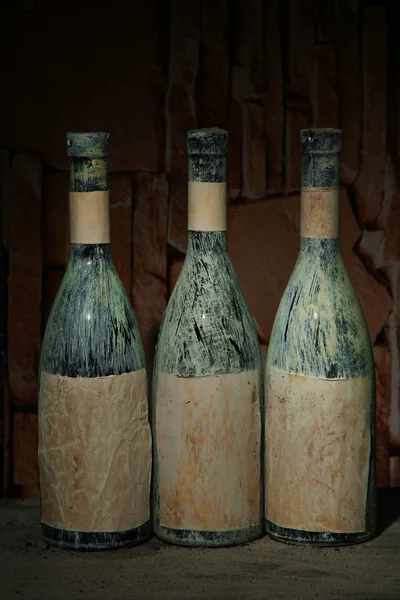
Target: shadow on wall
388,508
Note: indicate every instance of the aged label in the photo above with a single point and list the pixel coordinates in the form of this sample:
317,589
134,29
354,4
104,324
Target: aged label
207,206
208,450
94,452
320,212
318,446
89,217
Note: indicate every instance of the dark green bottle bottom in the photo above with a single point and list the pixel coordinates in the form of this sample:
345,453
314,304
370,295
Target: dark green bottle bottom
83,540
312,538
208,539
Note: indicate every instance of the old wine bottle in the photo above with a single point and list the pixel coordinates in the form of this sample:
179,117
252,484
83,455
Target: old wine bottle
319,381
94,432
207,379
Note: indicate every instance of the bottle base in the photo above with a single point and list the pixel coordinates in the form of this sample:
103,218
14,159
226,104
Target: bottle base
314,538
84,540
208,539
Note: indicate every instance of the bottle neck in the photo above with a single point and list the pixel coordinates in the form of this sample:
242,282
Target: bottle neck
320,196
322,250
88,174
90,254
206,243
89,201
207,193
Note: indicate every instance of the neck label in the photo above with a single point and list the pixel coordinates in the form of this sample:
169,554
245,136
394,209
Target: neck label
89,217
320,212
207,206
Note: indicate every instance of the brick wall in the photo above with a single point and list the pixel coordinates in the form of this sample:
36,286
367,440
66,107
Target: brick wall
147,72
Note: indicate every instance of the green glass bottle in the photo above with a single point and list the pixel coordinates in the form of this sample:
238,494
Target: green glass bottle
94,433
319,380
207,388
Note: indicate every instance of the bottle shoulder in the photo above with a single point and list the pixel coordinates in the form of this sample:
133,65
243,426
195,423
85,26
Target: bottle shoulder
92,330
320,329
207,328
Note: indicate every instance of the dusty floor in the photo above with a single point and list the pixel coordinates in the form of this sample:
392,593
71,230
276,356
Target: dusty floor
29,570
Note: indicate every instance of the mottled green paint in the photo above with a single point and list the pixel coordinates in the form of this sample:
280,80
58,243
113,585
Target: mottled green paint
320,150
88,144
320,330
207,150
92,330
207,330
88,154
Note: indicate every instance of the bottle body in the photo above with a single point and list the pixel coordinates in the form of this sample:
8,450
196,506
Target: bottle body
320,384
207,392
94,435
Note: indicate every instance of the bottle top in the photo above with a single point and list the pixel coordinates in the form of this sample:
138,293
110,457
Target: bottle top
88,145
211,141
324,141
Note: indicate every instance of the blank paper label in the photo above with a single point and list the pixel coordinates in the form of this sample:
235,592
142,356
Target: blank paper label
94,452
318,449
208,449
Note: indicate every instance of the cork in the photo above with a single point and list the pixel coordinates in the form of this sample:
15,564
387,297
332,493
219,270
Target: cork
320,149
208,150
88,153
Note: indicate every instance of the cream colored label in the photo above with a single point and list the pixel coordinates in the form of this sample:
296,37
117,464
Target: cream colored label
320,212
94,452
317,452
207,206
208,450
89,217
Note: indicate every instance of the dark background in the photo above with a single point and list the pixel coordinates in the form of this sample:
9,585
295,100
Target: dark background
146,72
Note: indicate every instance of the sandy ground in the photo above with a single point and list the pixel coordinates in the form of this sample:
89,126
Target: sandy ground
30,570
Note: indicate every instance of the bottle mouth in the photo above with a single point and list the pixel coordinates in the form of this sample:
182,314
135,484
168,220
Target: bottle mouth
209,141
88,144
321,141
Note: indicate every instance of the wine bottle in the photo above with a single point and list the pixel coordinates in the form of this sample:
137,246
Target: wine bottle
206,408
319,380
94,430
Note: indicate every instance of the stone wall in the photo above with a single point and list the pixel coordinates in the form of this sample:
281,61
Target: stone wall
149,71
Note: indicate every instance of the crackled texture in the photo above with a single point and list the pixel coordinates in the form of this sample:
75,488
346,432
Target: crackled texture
94,452
319,444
